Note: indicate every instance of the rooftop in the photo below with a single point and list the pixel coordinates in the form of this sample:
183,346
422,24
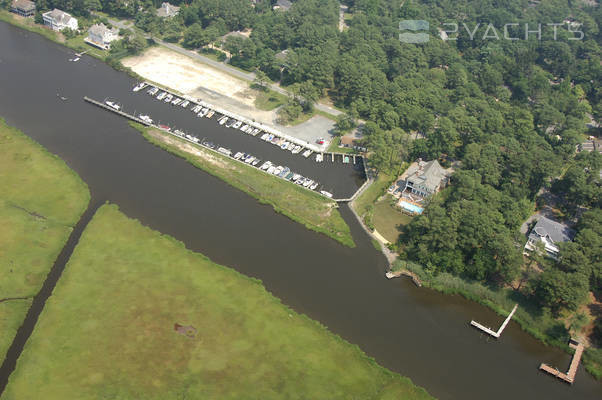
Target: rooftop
429,174
553,230
167,10
59,16
24,5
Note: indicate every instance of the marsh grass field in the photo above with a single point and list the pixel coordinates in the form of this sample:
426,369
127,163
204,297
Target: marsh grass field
41,199
303,206
109,331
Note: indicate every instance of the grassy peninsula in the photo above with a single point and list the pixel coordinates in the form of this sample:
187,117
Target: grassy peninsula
137,315
41,199
303,206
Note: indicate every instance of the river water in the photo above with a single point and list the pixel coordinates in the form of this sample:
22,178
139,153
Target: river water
416,332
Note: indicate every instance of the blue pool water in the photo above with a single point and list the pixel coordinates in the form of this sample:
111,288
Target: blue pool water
412,207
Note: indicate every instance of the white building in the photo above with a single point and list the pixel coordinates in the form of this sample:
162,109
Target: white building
101,36
550,233
167,10
59,20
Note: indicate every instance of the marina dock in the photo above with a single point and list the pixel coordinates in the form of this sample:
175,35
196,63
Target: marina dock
569,376
500,330
123,114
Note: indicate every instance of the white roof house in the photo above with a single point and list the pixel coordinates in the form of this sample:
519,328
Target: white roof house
550,233
101,36
59,20
167,10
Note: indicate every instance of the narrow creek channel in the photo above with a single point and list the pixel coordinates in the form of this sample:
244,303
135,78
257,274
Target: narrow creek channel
39,300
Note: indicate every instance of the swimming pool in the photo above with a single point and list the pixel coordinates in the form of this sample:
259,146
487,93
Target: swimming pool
411,207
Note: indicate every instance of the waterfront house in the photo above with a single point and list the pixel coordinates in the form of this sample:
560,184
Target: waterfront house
424,179
101,36
59,20
550,233
24,8
167,10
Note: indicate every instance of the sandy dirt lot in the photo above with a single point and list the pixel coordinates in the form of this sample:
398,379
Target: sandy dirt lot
187,75
193,78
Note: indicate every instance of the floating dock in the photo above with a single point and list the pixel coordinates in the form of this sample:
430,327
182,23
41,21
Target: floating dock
499,331
569,376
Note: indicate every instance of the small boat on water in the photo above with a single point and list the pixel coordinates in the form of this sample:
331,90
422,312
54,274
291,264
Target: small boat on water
255,162
196,109
284,172
184,104
176,101
314,186
325,193
113,105
167,128
179,132
161,95
244,128
295,177
300,180
210,113
208,145
225,151
145,118
289,176
307,153
278,170
271,169
264,136
238,155
319,157
307,182
237,124
223,120
266,165
195,139
249,159
297,149
153,91
168,98
203,112
139,87
284,145
255,132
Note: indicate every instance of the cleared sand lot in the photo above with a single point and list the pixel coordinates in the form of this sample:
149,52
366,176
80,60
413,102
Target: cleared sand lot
199,80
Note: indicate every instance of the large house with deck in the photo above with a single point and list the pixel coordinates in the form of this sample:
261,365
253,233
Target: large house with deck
58,20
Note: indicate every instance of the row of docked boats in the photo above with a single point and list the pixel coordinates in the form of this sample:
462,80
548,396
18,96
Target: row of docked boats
285,145
229,122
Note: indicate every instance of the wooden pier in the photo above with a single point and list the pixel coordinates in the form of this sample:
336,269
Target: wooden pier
123,114
569,376
500,330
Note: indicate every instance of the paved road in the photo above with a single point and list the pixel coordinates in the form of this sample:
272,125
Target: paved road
247,76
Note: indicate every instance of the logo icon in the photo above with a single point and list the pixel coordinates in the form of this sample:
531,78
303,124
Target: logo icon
414,25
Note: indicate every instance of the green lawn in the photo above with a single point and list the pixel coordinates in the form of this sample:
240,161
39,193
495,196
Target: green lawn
108,331
304,206
41,199
268,100
368,197
334,147
387,219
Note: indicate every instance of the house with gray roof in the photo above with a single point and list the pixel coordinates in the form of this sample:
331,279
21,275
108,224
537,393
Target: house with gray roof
551,234
167,10
24,8
425,178
283,5
58,20
101,36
